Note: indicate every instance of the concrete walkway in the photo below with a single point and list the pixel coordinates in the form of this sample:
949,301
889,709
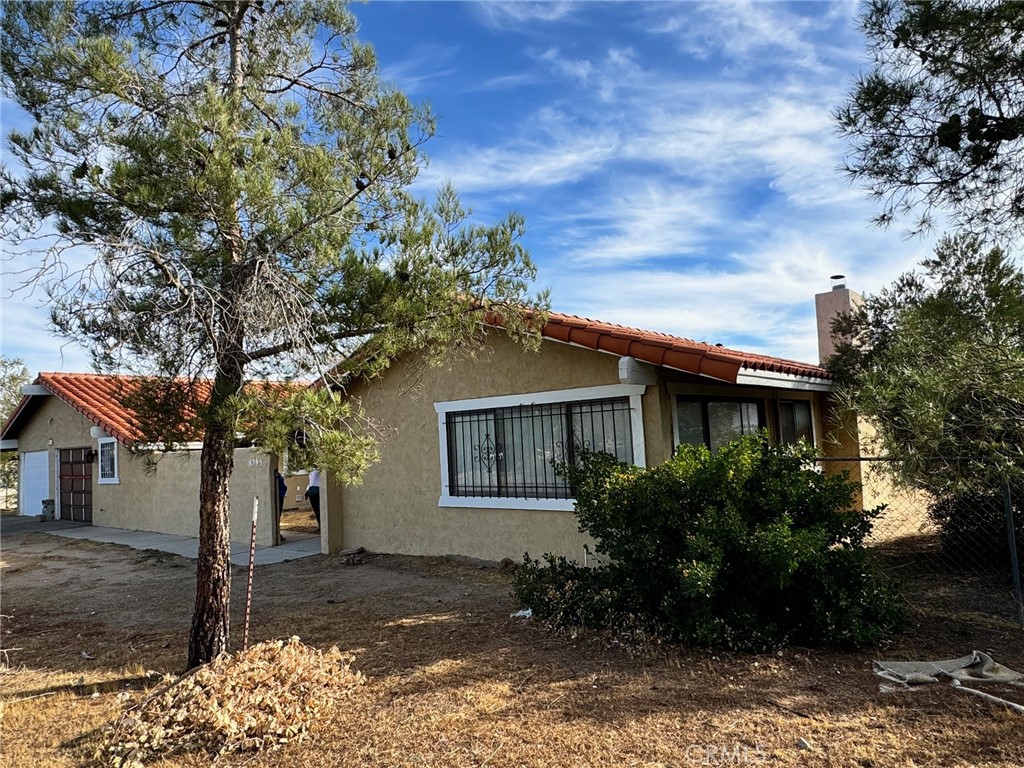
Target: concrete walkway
298,544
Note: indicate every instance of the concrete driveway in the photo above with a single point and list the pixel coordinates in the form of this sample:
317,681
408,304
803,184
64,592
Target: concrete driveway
298,545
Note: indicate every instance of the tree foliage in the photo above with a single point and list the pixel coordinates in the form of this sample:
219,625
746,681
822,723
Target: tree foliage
938,120
936,362
224,190
13,376
748,549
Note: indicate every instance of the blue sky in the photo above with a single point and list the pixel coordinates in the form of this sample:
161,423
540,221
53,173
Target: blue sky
676,162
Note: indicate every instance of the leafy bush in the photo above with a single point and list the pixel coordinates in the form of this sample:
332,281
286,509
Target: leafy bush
746,549
566,593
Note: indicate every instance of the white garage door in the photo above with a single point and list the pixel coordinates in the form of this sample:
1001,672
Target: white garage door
35,482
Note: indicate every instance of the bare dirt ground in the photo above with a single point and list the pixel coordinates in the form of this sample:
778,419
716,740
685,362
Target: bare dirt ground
454,681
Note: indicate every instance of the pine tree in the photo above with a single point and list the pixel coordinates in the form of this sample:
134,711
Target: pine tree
225,190
937,123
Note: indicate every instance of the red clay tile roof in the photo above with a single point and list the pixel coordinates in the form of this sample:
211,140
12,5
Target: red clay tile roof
676,352
99,397
662,349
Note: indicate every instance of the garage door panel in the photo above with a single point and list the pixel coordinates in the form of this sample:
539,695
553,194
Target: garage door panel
75,485
34,482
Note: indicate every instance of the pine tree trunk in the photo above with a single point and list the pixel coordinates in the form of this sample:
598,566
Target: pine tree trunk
211,621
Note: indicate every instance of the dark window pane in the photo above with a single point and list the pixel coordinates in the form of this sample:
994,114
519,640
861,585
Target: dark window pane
690,418
473,464
107,461
715,422
730,420
795,421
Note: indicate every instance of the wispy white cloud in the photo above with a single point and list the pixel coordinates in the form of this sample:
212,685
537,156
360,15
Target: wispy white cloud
747,33
424,65
578,69
555,150
676,162
523,166
638,220
503,82
701,200
756,294
41,350
783,137
603,78
501,14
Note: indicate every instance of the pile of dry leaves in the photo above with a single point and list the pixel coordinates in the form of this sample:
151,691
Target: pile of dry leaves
261,698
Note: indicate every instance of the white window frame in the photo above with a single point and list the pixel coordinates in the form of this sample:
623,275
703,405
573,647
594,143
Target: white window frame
100,480
636,422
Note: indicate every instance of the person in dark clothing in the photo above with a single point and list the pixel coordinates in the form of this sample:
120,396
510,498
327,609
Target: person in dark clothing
282,491
313,494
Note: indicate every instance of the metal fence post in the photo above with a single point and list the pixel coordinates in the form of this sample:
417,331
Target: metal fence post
1011,538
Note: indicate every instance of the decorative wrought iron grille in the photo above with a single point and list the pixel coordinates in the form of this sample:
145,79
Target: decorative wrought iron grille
509,452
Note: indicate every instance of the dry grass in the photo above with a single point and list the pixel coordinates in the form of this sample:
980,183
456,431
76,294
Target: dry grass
300,520
453,681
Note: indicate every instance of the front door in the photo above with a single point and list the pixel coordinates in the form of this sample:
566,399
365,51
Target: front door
76,484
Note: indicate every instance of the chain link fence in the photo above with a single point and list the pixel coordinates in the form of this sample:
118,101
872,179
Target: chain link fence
958,553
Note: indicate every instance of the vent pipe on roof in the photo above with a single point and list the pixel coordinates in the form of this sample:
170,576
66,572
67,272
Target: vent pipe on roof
838,282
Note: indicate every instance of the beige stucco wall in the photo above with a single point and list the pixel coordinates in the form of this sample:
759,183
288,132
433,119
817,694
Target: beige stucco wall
906,509
65,426
295,499
396,508
164,497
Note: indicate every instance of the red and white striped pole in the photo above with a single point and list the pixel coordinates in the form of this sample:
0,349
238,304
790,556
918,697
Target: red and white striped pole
248,585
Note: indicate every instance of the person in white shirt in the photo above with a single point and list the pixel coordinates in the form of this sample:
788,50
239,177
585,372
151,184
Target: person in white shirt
313,493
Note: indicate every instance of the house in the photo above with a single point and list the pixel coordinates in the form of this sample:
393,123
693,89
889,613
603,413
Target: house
81,446
468,471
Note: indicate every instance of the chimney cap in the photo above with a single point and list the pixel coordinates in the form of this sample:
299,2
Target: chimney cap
838,282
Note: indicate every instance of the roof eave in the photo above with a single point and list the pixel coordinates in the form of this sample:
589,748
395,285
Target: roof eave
763,378
14,417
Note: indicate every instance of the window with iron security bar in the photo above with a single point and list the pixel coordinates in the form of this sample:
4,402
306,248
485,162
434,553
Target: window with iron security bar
509,452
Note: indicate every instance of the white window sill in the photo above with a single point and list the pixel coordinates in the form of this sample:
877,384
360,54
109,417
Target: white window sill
490,502
108,481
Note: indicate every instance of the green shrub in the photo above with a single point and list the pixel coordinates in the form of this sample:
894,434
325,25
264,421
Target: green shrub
748,549
972,527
